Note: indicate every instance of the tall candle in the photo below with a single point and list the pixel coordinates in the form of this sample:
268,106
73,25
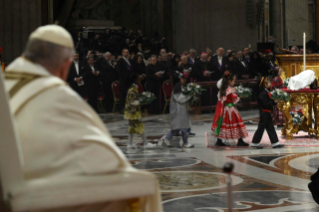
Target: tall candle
304,51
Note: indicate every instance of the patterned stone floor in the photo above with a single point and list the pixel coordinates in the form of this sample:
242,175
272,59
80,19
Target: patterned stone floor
192,180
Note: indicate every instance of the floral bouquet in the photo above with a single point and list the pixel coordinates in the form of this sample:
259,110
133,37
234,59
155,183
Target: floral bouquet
146,98
279,95
297,116
243,92
192,89
286,82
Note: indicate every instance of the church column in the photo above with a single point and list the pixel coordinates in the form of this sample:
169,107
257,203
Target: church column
18,19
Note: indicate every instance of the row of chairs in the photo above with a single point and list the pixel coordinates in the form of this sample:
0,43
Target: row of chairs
166,86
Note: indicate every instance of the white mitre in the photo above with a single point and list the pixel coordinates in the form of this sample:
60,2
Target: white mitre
301,80
53,34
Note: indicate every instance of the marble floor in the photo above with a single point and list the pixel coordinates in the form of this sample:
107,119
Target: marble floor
192,180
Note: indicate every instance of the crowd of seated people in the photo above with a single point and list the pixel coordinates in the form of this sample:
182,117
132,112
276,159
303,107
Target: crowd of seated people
114,55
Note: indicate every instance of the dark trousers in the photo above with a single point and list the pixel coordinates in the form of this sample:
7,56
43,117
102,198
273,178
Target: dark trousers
92,98
265,122
108,97
123,93
81,90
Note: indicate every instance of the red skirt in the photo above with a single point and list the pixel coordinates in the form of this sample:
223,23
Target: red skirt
232,126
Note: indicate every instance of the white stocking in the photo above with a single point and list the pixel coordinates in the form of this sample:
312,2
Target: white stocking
130,140
144,139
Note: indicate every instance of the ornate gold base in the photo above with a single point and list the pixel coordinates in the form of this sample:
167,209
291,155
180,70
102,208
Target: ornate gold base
308,100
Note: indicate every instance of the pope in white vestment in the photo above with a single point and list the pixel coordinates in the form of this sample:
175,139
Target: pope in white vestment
302,80
60,134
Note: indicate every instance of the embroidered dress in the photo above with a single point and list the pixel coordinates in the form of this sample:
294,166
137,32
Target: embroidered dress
227,123
133,112
276,114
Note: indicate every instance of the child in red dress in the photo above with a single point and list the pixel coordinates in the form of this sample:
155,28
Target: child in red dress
227,123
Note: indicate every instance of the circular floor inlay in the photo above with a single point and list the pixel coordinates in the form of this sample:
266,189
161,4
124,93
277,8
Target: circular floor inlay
181,181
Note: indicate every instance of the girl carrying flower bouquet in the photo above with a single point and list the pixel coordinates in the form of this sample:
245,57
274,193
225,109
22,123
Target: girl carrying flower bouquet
227,123
179,117
133,112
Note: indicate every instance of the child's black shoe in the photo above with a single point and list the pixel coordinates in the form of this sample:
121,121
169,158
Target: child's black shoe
241,142
220,143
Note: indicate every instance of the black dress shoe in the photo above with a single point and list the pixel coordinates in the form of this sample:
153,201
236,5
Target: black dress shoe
220,143
241,142
192,134
278,146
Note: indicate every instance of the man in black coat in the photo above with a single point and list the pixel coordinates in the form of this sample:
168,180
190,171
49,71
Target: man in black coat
242,67
166,65
202,74
217,65
91,79
192,57
187,69
123,71
155,78
246,54
79,44
74,79
108,76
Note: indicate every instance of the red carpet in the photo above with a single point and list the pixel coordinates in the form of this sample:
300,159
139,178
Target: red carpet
300,139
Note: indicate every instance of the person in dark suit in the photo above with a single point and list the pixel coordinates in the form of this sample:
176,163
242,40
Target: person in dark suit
218,65
79,44
74,79
91,79
246,54
203,75
155,79
166,65
231,64
257,67
187,69
192,57
97,44
242,67
123,71
107,76
140,69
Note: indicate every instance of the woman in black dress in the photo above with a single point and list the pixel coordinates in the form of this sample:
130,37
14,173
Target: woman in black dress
257,68
139,68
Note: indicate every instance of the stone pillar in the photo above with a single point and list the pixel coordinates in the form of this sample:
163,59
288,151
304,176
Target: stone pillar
297,21
18,19
219,23
317,21
276,28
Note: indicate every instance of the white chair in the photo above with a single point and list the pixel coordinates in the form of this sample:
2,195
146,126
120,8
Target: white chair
21,195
